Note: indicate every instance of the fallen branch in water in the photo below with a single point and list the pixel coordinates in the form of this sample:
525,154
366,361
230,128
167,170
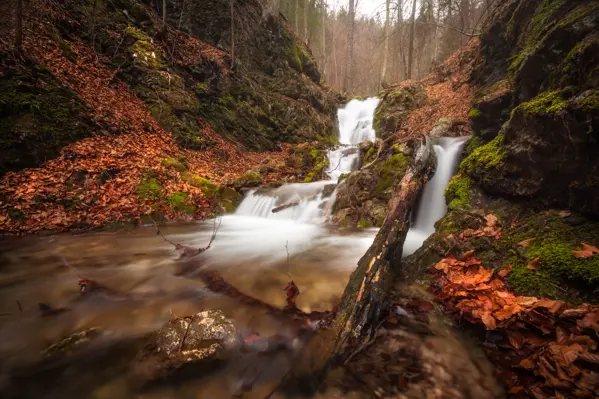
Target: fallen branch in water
188,251
293,203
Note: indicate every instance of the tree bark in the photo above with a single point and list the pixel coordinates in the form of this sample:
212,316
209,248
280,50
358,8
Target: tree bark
232,5
386,46
296,17
411,46
19,26
350,46
366,294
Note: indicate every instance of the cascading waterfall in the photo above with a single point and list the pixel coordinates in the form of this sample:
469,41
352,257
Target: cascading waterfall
355,126
432,203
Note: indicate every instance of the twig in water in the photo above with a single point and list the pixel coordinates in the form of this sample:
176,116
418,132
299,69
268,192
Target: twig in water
67,264
19,306
159,233
214,231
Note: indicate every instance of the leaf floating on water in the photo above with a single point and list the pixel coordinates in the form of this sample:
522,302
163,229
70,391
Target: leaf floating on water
534,264
527,242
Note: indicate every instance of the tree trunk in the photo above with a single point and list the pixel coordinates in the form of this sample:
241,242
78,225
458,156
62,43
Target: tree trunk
19,26
306,3
324,48
366,294
386,46
411,46
350,46
296,17
232,5
163,16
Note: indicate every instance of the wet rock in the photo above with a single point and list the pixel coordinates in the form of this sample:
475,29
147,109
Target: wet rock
446,127
328,190
185,347
251,178
72,343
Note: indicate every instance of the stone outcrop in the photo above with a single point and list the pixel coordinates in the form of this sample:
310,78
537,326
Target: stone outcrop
395,106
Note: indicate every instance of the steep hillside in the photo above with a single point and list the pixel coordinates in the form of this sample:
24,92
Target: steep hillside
118,118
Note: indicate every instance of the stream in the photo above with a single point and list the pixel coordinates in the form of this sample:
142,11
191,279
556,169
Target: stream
255,250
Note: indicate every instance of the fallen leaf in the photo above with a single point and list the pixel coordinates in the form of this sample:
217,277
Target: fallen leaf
468,254
489,321
527,242
587,247
516,389
534,264
491,220
505,271
527,364
582,254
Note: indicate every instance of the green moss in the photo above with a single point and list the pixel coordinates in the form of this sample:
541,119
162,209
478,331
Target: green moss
342,177
205,185
474,143
144,51
251,178
490,155
296,56
149,188
544,104
588,101
309,177
457,193
173,163
364,223
389,171
474,113
177,202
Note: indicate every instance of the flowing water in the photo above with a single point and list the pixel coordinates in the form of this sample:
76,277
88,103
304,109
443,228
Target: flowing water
255,250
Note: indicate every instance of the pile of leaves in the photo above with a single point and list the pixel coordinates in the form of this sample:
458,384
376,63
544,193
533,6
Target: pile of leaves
543,348
449,93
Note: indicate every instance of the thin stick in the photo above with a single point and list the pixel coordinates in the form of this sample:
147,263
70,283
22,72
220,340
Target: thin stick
159,233
214,231
185,335
67,264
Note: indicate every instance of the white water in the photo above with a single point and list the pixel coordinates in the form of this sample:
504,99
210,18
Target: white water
254,232
432,203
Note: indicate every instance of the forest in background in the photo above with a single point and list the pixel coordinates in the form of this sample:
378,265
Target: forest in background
401,39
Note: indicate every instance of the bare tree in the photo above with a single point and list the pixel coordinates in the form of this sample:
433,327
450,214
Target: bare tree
350,44
411,48
324,29
19,26
386,46
306,4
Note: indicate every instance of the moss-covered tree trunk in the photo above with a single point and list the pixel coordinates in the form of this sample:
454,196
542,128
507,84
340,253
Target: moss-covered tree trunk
365,295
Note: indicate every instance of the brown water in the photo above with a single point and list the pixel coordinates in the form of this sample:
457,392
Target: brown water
143,269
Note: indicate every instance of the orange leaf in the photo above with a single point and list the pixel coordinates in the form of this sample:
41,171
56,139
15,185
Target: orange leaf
489,321
491,220
505,271
582,254
516,389
587,247
527,364
527,242
535,264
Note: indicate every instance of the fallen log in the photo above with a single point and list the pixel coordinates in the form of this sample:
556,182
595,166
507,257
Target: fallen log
293,203
366,294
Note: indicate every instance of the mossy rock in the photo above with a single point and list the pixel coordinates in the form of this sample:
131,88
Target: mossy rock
38,117
149,188
209,188
457,193
250,178
395,106
177,164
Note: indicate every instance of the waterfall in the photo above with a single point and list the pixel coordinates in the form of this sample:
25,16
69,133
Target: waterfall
432,203
355,126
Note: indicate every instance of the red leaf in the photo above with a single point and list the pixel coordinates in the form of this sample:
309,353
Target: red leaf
534,264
